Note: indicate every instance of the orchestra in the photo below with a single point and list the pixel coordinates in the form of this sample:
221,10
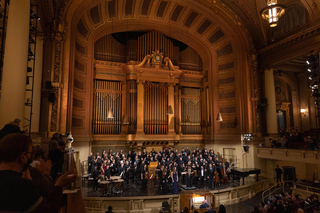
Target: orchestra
200,168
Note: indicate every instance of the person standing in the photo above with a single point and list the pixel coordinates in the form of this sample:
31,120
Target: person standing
278,174
90,162
174,177
95,176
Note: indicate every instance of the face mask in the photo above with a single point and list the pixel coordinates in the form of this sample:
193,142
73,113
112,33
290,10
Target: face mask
25,167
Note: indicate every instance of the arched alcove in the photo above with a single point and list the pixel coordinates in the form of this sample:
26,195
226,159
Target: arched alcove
225,70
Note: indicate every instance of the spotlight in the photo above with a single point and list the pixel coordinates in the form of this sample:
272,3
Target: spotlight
31,40
309,70
30,55
32,27
310,78
29,69
316,103
308,62
34,16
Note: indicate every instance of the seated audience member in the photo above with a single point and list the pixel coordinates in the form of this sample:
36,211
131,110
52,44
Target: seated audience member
295,204
262,207
256,209
109,209
280,208
212,209
205,205
185,210
20,193
300,211
11,127
274,143
222,209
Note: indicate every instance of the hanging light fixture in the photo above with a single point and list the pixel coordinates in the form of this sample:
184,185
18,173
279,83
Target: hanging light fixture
110,113
219,117
273,12
170,111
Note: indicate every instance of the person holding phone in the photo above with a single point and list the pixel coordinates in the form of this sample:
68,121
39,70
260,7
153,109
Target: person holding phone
21,195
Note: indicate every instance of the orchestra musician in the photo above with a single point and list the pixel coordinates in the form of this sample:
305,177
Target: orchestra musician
107,172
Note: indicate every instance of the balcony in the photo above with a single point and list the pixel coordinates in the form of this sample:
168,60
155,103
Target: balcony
296,155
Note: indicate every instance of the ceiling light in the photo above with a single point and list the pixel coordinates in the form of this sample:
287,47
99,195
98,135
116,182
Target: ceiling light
273,12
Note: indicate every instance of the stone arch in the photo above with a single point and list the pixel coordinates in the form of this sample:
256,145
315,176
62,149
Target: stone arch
84,32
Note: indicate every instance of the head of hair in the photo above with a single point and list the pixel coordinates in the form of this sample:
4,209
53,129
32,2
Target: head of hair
222,209
185,210
17,121
13,145
212,205
53,145
110,208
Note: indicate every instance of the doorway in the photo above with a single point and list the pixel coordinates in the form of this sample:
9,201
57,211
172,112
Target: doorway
281,118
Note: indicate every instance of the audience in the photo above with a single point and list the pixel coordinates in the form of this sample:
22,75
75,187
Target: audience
11,127
21,195
212,209
294,139
285,203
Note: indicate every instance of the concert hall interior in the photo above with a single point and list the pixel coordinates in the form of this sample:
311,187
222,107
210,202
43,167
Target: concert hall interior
148,103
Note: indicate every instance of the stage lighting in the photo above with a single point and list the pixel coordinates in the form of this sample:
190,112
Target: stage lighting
29,69
34,16
308,62
30,55
309,70
32,27
31,40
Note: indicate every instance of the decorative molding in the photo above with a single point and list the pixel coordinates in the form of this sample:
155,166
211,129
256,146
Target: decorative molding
291,40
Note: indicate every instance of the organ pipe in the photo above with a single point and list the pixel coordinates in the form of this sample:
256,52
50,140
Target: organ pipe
153,41
107,95
155,105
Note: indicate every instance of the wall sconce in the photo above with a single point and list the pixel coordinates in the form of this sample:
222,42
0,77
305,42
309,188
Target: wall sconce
303,111
170,111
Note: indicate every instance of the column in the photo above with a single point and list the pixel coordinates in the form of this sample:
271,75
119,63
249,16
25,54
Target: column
272,126
171,102
140,106
15,63
296,110
37,85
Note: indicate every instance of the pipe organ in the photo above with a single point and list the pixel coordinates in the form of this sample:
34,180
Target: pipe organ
132,106
190,110
154,41
139,92
107,97
155,108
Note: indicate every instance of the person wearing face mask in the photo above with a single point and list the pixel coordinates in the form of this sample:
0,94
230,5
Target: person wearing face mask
19,194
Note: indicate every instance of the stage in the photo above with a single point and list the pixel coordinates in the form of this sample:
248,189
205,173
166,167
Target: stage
135,189
136,199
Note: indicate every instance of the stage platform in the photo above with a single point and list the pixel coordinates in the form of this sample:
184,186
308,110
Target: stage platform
135,189
136,199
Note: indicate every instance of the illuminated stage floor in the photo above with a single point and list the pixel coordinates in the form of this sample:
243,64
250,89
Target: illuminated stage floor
135,189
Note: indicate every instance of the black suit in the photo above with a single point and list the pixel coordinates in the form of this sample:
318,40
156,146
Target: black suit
95,175
202,176
278,173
